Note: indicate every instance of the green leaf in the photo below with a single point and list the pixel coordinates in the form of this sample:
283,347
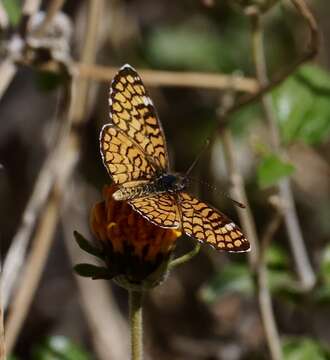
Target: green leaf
59,348
271,170
234,278
93,271
87,246
303,107
304,349
14,10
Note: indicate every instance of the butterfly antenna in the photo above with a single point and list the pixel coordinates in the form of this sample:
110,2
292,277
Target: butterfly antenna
237,203
191,167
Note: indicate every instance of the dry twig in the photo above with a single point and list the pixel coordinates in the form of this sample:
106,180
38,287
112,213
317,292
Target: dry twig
65,163
257,263
304,268
264,296
312,50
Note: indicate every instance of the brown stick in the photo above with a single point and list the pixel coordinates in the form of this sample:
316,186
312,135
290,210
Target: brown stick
171,78
264,296
238,192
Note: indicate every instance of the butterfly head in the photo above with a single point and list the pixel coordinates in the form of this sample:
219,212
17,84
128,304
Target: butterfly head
173,182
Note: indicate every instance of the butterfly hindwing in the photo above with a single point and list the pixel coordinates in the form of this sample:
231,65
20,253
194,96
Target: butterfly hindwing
208,225
124,161
160,209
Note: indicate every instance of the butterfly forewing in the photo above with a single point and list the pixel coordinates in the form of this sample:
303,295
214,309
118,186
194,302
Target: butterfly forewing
160,209
206,224
133,112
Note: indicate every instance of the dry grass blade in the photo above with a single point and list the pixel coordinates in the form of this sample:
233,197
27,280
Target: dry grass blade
2,329
101,311
32,272
7,73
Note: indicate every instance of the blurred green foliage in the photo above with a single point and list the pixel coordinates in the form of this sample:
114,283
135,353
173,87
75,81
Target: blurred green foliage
236,277
59,348
14,11
322,293
304,349
198,45
302,106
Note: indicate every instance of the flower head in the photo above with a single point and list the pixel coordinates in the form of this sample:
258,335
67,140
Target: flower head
134,249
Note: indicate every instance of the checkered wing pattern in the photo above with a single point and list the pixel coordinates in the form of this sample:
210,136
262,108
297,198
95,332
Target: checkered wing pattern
133,112
206,224
124,160
134,152
160,209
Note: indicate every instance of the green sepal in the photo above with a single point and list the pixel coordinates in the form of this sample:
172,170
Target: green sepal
93,271
87,246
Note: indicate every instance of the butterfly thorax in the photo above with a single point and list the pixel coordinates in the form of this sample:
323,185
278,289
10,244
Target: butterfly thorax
165,183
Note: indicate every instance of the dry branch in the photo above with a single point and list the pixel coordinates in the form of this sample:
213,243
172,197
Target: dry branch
312,50
171,78
303,265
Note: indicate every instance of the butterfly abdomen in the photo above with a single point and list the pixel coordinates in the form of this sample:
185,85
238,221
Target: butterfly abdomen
164,183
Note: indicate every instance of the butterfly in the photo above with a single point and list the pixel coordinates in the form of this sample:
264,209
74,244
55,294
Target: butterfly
133,150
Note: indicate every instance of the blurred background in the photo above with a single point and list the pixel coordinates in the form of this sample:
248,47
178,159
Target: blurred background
195,57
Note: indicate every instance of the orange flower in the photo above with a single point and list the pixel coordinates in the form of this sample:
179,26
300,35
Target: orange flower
132,246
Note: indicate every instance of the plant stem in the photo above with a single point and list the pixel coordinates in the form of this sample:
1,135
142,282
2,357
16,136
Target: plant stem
135,318
186,257
263,292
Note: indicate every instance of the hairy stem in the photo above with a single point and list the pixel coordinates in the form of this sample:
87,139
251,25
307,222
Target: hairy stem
135,319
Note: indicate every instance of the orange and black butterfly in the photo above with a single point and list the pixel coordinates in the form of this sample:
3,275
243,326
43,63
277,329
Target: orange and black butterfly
134,152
